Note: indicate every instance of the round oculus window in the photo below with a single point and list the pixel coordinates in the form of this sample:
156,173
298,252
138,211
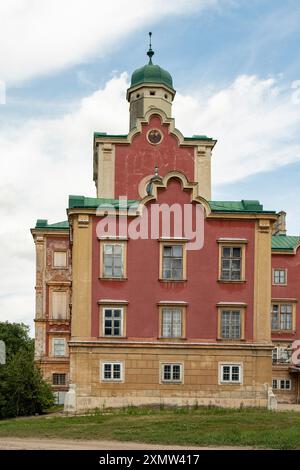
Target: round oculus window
154,136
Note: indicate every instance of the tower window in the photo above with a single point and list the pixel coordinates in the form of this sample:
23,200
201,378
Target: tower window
138,95
152,93
166,96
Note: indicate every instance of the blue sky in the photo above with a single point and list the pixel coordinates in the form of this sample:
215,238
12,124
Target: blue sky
235,66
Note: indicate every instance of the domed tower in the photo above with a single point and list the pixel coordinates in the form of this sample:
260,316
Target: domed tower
151,87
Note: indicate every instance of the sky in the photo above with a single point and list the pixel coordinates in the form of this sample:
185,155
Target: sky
64,72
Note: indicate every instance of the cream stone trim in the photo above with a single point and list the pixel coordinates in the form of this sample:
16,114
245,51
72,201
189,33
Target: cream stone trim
262,281
286,277
162,244
112,306
202,170
171,382
229,243
121,242
165,120
193,187
81,279
292,302
80,343
106,170
232,241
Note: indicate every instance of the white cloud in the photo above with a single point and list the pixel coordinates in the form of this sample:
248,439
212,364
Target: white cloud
45,160
255,121
43,36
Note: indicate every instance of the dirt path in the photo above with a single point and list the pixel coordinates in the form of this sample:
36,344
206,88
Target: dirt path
9,443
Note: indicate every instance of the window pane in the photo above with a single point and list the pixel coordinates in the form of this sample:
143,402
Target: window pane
176,372
226,252
236,252
167,251
167,372
108,249
177,251
226,373
117,249
235,376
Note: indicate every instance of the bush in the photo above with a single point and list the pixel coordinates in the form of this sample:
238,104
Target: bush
22,388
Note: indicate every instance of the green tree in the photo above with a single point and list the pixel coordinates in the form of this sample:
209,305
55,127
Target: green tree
22,388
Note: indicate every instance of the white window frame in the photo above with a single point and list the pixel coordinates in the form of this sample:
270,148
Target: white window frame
111,363
171,381
121,322
60,266
231,365
279,387
53,347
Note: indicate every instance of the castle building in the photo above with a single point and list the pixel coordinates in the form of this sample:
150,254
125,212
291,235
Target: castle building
154,293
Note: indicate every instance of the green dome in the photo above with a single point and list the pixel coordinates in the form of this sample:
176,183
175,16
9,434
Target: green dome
151,73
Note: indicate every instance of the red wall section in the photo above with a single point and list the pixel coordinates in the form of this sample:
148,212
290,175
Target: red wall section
291,290
134,162
202,290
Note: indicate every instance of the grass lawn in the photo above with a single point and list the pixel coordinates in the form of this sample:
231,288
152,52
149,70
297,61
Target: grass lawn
183,426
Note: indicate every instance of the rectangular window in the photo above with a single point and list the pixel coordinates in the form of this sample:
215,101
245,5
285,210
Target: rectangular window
231,263
112,371
279,276
59,379
230,373
231,324
281,355
113,260
284,384
112,321
172,262
59,305
59,259
281,384
282,317
171,373
59,347
172,322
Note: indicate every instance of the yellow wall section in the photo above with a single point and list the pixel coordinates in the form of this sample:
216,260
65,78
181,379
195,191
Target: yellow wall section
262,282
82,277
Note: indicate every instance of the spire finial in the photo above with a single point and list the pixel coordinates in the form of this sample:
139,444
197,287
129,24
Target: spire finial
150,52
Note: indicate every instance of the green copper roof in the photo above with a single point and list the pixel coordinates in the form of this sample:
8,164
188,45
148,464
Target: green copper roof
124,136
43,225
285,242
237,206
198,137
93,202
112,136
151,73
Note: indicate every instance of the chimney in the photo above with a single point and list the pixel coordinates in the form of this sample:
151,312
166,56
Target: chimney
279,227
